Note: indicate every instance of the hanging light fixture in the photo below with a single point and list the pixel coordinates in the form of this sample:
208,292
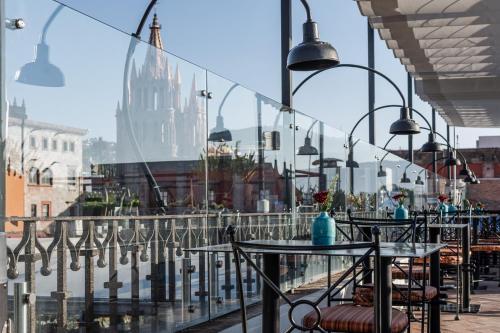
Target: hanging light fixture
452,160
405,179
405,125
432,146
381,172
419,181
312,54
308,149
219,133
40,72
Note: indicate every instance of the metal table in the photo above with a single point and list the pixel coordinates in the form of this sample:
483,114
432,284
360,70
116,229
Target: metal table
388,251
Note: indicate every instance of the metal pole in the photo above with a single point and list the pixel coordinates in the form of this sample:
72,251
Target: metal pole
21,307
286,84
322,176
410,105
448,149
371,85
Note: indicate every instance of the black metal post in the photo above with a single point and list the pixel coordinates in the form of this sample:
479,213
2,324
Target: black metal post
371,84
270,299
386,294
286,44
466,267
435,309
260,144
3,287
410,105
350,157
322,176
434,155
448,150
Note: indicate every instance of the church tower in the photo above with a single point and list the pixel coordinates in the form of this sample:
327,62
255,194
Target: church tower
165,130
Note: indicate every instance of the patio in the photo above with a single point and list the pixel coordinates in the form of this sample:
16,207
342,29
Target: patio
154,178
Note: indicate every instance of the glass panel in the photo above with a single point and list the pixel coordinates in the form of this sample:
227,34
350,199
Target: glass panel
114,163
250,170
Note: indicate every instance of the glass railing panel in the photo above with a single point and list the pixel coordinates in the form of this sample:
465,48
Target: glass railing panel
112,164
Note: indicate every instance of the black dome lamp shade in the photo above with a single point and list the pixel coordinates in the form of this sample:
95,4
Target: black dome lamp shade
312,54
419,181
405,179
452,160
219,133
405,125
431,146
465,172
40,72
381,172
307,148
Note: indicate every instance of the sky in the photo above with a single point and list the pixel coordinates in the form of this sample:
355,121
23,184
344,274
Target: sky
237,41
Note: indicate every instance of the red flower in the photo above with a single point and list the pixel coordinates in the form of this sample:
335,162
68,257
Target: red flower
442,197
397,197
321,197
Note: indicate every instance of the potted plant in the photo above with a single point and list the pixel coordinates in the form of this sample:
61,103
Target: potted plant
94,205
400,213
323,227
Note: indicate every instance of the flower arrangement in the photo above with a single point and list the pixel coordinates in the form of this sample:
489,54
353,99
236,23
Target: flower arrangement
442,198
400,197
324,199
355,201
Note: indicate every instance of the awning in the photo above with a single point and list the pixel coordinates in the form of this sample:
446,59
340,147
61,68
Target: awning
451,49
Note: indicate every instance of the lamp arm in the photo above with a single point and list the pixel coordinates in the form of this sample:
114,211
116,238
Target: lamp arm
385,146
429,164
226,96
310,128
134,40
353,66
49,22
369,113
421,116
308,9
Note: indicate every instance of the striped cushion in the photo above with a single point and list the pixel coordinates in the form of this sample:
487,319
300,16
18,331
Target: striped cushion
485,248
353,319
363,295
417,273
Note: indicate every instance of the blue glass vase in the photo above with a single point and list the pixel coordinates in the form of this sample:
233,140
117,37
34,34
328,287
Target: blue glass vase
443,209
401,213
452,208
323,230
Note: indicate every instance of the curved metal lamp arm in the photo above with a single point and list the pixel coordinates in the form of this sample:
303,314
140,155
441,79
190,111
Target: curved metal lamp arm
385,146
308,9
369,113
310,128
429,164
134,40
49,22
226,96
353,66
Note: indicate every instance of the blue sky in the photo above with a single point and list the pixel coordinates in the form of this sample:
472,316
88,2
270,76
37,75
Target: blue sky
238,40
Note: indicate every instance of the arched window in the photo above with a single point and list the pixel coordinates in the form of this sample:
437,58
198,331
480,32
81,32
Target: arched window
47,177
34,176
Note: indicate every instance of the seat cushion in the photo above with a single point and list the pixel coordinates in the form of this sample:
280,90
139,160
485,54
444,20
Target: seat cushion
353,319
485,248
447,257
363,295
417,273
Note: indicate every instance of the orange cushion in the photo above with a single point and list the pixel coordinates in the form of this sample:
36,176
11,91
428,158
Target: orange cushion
353,319
417,273
363,295
485,248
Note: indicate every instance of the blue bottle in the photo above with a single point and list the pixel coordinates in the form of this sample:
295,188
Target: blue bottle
323,230
401,213
443,209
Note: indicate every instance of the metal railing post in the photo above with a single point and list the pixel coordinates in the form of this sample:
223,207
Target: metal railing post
89,272
30,270
61,295
22,301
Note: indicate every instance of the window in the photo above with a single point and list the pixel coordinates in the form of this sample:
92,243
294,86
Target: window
46,178
34,176
46,209
71,177
33,210
72,146
45,144
32,142
54,144
65,145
